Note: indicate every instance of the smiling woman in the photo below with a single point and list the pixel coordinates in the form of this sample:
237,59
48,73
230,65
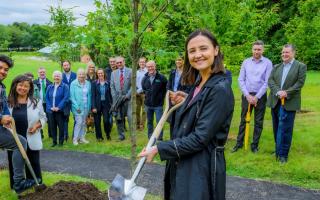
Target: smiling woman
196,167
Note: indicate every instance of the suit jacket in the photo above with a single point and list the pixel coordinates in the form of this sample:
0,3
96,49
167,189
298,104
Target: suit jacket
73,76
170,83
115,84
61,98
34,115
292,85
37,82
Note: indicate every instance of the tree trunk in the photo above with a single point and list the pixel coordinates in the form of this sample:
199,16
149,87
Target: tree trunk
135,57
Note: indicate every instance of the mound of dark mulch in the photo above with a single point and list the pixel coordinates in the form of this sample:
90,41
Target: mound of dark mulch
64,190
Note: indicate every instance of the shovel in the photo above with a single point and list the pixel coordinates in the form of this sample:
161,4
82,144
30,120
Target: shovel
38,187
247,129
123,189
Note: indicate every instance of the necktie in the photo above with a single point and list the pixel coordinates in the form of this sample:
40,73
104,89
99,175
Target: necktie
121,79
43,90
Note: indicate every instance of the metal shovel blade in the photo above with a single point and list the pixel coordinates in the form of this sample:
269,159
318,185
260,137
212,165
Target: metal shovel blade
121,189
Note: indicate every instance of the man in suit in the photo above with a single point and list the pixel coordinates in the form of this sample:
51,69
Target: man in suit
67,77
121,88
109,69
285,82
42,83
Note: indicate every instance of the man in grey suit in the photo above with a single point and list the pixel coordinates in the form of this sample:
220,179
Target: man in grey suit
121,89
285,82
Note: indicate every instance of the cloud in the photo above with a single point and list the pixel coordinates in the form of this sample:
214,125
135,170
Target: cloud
35,11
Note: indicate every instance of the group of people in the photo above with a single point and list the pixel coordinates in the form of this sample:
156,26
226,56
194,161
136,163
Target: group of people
285,81
196,167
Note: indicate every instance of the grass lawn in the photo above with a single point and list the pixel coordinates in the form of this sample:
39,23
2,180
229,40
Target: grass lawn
302,169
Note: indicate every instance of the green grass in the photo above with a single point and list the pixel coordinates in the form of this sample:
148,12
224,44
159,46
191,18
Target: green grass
302,169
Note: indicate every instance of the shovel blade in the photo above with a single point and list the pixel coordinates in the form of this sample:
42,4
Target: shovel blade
121,189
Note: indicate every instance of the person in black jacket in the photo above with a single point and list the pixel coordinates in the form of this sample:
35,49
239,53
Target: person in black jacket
196,167
154,86
101,104
109,69
175,84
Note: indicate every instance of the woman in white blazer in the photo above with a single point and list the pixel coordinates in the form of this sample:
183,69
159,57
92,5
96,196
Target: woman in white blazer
29,117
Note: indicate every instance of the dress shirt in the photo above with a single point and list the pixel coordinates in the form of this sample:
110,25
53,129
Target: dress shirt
254,75
286,69
140,75
176,80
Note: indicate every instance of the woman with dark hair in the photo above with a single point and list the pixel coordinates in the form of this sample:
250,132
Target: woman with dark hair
101,104
196,167
29,118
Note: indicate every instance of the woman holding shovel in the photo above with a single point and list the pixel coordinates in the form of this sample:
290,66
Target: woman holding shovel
196,166
29,118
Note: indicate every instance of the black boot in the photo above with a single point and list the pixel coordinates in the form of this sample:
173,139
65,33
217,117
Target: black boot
23,185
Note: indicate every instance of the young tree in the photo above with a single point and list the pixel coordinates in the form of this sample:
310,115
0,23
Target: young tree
62,34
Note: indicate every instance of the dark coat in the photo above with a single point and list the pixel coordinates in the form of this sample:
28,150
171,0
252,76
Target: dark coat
38,84
108,73
155,92
61,98
96,96
73,76
181,87
196,166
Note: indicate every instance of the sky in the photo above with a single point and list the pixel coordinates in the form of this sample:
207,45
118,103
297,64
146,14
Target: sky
34,11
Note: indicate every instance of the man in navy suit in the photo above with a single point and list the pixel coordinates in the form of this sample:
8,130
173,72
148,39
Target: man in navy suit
42,83
67,77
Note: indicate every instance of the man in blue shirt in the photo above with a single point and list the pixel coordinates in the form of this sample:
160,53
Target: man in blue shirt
67,77
6,139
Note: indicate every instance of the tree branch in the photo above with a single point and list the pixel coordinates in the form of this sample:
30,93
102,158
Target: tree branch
142,11
164,7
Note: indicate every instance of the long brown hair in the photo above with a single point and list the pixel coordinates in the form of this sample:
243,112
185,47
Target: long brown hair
189,73
13,95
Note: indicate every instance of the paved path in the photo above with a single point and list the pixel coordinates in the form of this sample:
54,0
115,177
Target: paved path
105,167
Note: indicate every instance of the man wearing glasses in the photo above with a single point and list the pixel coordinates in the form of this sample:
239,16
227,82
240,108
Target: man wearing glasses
121,94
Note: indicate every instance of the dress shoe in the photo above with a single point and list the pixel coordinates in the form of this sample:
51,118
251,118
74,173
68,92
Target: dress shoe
54,144
236,148
23,185
121,137
255,149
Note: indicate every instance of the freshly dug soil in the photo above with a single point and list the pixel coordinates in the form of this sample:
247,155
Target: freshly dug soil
64,190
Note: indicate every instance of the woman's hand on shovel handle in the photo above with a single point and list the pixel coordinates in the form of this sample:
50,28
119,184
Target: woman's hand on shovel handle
150,154
177,97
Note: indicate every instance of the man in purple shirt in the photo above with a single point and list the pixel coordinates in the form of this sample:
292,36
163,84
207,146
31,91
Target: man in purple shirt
253,82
